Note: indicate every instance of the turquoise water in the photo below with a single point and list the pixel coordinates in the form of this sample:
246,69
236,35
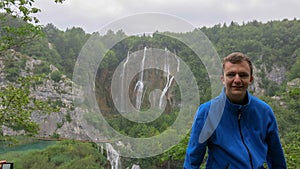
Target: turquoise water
36,145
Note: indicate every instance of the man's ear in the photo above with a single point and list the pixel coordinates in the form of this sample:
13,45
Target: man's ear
222,79
251,79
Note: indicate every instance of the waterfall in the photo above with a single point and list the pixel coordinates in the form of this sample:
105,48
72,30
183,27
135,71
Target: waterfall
178,62
123,95
169,80
113,156
139,86
134,166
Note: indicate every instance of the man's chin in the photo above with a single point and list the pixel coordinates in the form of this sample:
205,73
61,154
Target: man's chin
237,96
238,92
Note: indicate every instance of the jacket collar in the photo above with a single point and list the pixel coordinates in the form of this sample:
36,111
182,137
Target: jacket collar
236,107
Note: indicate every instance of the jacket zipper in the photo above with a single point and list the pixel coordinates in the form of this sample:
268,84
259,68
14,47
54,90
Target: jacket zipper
242,137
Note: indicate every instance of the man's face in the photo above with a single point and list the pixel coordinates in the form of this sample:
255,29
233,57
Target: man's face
236,79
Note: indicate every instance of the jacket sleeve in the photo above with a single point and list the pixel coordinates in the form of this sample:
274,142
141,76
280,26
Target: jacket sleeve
275,157
195,151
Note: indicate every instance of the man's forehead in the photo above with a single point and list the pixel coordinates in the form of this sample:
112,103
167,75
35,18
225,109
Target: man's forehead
240,65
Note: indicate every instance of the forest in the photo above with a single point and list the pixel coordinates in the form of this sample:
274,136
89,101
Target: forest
271,45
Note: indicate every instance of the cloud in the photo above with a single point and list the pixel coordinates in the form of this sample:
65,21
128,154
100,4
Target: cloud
93,14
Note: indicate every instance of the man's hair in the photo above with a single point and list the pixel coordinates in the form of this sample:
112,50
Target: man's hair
238,57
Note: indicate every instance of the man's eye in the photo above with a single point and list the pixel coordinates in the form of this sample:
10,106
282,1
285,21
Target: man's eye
244,75
230,74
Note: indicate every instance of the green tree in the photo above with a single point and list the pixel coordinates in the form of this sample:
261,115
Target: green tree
13,35
17,105
295,69
67,154
56,75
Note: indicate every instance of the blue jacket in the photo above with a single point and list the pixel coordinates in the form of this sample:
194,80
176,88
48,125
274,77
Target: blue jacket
237,136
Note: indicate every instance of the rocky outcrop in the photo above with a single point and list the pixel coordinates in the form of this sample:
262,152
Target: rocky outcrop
65,123
255,88
277,75
68,121
294,83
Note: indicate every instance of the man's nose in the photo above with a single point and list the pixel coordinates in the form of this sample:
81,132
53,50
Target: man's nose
237,78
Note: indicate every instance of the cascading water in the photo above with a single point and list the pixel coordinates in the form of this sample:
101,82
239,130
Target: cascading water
123,104
178,62
161,60
169,80
113,156
139,86
162,67
134,166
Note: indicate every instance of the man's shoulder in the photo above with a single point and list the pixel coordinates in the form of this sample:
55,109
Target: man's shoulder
216,103
206,105
257,102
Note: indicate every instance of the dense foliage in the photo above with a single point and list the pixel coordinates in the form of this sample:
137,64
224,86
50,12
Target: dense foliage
14,34
63,155
17,104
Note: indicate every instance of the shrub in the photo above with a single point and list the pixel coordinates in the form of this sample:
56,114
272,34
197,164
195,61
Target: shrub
56,76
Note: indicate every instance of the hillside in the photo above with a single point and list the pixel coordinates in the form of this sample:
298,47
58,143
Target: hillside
54,88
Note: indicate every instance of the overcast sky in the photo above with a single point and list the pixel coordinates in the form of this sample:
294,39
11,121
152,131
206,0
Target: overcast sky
91,15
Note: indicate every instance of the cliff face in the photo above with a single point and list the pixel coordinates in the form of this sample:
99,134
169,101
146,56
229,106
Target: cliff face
276,75
153,81
144,80
67,121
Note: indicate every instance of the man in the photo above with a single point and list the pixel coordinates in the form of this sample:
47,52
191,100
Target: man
2,162
241,133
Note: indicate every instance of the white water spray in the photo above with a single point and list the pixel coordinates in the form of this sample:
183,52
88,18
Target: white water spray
168,81
123,102
139,86
113,156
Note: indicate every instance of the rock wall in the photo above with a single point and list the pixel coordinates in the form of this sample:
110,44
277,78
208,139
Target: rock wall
277,75
68,120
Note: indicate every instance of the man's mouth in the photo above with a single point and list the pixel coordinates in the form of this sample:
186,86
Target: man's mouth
238,87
